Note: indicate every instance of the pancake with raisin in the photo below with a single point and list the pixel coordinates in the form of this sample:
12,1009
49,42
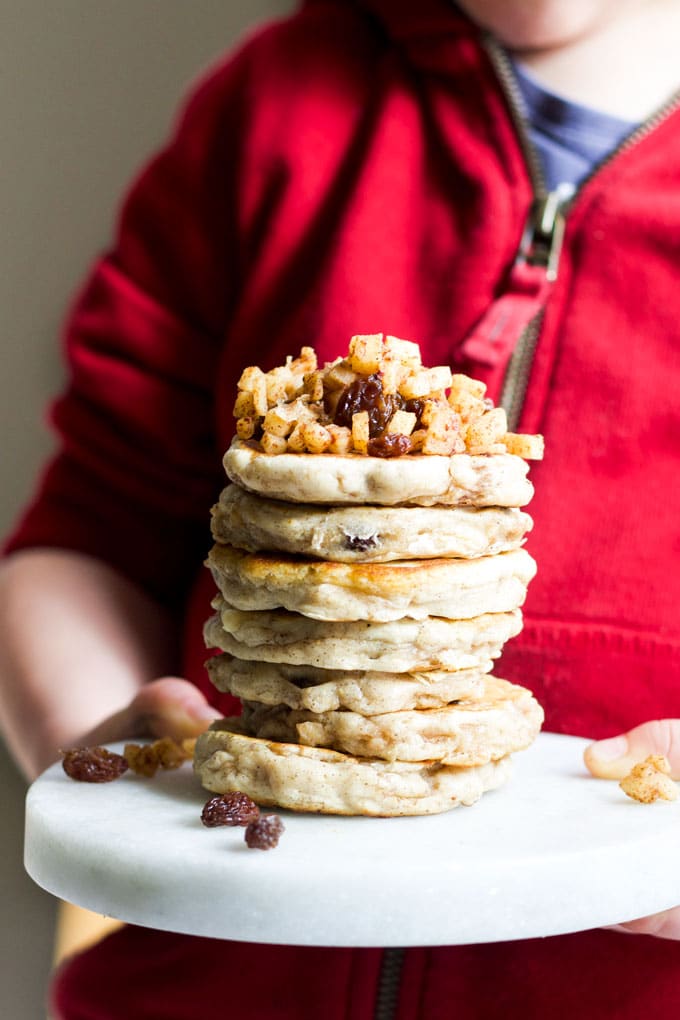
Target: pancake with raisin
365,534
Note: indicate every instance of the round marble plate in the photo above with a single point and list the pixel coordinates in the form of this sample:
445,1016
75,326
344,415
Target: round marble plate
552,851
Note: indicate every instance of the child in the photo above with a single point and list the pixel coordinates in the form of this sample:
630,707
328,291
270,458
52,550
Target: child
364,166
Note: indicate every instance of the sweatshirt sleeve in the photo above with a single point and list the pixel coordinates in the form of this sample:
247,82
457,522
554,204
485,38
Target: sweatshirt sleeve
137,464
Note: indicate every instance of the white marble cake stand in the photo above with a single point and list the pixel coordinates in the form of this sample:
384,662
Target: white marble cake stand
553,851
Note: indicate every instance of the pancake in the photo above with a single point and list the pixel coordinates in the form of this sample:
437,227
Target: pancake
370,534
314,779
326,690
462,479
506,718
401,646
374,592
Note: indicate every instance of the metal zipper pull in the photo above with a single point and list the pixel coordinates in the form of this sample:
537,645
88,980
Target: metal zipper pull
526,288
541,242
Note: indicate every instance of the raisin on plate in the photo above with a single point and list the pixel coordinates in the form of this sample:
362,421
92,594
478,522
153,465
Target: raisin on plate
229,809
264,833
93,764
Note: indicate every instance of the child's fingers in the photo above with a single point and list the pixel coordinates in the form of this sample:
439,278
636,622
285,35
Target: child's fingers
614,758
173,707
665,925
168,706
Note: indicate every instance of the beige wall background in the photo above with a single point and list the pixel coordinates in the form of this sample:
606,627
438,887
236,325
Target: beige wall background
88,89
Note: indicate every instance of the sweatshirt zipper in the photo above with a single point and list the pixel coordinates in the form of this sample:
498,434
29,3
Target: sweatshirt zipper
388,984
543,233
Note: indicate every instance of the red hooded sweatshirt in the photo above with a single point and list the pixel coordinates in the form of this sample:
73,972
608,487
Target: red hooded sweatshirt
359,168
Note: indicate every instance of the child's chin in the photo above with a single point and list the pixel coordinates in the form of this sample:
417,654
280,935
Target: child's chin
538,24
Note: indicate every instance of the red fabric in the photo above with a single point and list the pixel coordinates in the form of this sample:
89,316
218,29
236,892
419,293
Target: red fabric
495,336
601,975
138,974
389,196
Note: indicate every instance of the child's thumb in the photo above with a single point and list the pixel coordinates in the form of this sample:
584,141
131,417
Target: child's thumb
166,707
173,707
613,758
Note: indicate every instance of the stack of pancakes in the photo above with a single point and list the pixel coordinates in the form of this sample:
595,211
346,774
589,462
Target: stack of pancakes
362,602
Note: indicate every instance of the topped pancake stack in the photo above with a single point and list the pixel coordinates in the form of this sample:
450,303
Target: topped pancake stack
369,560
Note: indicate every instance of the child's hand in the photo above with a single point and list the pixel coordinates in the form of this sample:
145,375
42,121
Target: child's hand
613,759
167,707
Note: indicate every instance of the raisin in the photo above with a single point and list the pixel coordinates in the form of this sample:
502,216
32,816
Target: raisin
389,444
367,395
93,764
264,833
415,406
359,543
229,809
